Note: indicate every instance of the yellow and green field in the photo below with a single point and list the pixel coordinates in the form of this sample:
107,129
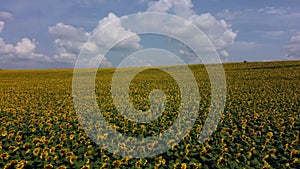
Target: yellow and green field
258,129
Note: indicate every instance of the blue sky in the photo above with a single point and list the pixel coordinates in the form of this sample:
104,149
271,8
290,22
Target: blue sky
49,34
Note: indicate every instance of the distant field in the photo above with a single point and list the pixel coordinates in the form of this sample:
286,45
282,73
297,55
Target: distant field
259,127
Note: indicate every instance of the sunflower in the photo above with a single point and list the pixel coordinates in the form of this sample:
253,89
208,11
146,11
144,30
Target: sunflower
35,140
52,150
75,145
63,151
58,146
270,134
45,149
138,164
183,166
27,152
72,159
7,166
62,167
55,118
5,156
4,133
44,155
116,163
10,135
12,147
26,145
293,152
43,138
156,166
272,151
70,153
265,157
55,158
88,153
85,167
36,151
104,165
71,136
48,166
16,149
14,162
46,141
20,165
125,160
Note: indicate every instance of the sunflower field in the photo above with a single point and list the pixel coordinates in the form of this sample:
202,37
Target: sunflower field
259,127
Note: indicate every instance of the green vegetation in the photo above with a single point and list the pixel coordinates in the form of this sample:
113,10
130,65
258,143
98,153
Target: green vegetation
258,129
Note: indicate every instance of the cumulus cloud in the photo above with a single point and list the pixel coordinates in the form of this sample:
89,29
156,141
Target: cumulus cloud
182,8
293,46
70,40
24,49
116,31
5,49
5,15
218,31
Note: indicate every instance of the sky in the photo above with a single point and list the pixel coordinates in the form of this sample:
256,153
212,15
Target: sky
51,33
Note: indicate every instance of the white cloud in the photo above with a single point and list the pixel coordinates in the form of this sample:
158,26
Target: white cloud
224,53
116,32
293,46
218,31
228,15
70,40
273,10
5,15
24,49
63,31
182,8
5,49
1,26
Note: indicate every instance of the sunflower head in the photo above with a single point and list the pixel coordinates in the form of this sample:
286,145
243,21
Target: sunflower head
5,156
85,167
44,155
62,167
138,164
183,166
52,150
36,151
48,166
116,163
71,136
14,162
72,159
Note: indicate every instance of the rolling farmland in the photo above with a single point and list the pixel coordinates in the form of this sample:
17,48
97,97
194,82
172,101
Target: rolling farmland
258,129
